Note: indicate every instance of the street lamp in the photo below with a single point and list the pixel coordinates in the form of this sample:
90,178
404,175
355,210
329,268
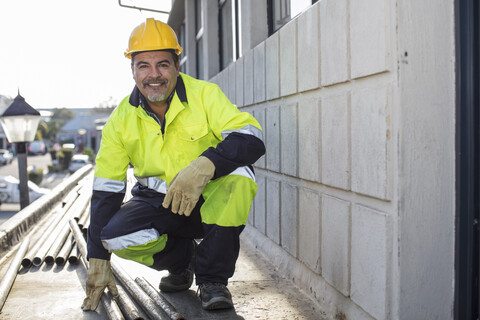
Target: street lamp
20,122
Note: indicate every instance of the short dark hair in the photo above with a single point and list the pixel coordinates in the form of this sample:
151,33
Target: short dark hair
174,54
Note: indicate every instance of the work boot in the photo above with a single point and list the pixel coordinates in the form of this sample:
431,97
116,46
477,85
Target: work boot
215,296
175,282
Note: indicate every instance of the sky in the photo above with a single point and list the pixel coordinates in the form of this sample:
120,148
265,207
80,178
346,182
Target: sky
69,54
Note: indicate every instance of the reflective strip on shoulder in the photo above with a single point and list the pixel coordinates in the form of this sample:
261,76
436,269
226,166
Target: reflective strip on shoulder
153,183
109,185
243,171
248,129
132,239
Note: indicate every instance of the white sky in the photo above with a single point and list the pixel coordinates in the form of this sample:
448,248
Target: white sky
68,53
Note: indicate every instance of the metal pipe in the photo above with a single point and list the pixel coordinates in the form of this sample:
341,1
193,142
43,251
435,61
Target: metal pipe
147,303
159,299
77,234
127,306
80,205
84,217
113,311
73,257
62,256
11,274
28,259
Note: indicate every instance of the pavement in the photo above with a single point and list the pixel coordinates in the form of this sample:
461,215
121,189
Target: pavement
258,290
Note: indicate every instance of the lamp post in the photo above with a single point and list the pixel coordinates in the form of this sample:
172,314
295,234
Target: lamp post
20,122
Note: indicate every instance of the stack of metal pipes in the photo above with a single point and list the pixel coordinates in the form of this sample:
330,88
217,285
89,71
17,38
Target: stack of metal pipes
61,237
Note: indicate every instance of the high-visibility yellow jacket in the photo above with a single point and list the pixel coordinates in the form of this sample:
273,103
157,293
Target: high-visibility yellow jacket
200,120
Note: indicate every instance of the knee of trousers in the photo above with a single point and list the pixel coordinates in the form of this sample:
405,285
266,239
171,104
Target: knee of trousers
137,248
228,200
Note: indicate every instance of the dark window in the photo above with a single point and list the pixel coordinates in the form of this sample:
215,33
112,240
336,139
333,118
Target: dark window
228,21
183,43
281,11
199,38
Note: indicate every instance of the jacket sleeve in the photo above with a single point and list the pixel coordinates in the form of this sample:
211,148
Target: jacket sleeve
109,185
237,150
240,134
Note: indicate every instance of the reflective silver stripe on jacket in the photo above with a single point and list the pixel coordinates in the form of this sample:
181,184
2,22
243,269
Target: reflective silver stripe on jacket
109,185
132,239
243,171
153,183
248,129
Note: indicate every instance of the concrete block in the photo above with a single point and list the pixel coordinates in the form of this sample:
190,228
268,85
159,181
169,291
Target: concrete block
248,78
288,58
335,141
251,215
369,37
260,201
214,79
272,130
370,141
308,50
273,210
309,219
239,82
260,116
371,249
232,87
289,139
333,41
259,72
309,140
272,67
289,218
336,243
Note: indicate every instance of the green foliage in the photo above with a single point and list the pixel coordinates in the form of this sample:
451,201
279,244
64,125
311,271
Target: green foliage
89,151
42,130
63,114
64,158
36,176
58,120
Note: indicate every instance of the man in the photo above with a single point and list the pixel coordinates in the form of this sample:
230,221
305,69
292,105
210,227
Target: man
191,150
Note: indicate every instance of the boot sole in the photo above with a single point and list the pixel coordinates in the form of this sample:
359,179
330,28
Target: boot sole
217,304
166,288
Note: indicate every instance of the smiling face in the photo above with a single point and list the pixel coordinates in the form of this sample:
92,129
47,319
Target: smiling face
155,74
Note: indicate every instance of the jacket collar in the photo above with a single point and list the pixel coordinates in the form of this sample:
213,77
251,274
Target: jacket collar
137,98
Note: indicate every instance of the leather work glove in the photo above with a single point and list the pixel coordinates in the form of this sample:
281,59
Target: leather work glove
187,186
99,276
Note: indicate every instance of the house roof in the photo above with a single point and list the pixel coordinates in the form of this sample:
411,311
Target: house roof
87,122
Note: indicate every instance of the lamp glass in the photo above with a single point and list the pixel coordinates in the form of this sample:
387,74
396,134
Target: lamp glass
20,128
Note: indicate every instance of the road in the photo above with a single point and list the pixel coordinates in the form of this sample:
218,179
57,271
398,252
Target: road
41,161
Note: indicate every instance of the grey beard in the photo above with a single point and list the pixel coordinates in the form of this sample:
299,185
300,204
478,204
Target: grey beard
156,98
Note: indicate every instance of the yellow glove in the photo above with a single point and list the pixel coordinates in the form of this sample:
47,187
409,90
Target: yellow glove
99,276
187,186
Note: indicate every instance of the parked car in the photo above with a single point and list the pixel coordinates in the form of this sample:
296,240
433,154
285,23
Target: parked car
37,147
10,190
6,156
78,161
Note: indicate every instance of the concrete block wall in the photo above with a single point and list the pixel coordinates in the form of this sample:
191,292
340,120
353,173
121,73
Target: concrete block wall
322,88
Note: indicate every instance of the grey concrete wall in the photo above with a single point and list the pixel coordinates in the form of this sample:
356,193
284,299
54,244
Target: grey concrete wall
426,158
355,198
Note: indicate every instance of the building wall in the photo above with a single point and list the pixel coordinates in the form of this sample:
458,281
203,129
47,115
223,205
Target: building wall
355,198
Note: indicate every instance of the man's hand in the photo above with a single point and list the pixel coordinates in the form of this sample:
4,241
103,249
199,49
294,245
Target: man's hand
99,276
187,186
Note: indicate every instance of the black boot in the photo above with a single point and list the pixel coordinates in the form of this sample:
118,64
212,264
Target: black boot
215,296
175,282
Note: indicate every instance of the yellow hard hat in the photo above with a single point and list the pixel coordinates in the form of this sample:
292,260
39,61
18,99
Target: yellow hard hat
152,35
